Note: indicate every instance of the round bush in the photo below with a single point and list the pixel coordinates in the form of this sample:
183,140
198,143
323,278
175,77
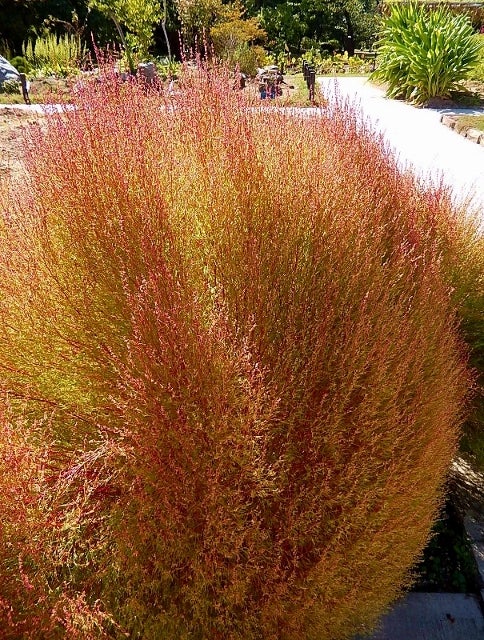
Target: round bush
21,64
230,356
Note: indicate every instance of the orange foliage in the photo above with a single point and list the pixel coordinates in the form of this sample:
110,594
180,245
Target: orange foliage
226,334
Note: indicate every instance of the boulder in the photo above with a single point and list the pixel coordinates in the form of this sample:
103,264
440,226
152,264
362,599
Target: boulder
7,71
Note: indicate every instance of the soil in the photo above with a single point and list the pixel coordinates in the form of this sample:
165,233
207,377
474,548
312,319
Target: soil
12,122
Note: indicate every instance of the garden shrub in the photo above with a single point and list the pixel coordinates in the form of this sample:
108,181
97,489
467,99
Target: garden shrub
477,71
53,54
248,59
20,64
425,52
231,378
337,63
462,245
10,87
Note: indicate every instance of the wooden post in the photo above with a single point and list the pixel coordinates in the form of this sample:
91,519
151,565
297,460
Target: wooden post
311,82
25,87
305,72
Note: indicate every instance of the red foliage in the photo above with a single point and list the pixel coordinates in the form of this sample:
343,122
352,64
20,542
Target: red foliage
238,321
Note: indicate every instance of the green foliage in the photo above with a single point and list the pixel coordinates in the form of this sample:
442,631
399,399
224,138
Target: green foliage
248,58
286,23
10,87
338,63
231,33
5,50
227,408
233,38
292,26
52,54
21,64
197,18
425,52
284,28
470,122
167,68
138,17
477,71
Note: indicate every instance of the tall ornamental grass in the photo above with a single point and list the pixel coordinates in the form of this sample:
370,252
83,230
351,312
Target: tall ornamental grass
425,53
54,54
231,380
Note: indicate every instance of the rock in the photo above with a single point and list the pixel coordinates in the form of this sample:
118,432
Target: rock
449,121
467,487
474,134
7,71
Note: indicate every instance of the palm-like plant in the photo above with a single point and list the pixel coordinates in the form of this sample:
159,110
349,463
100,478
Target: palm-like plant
425,53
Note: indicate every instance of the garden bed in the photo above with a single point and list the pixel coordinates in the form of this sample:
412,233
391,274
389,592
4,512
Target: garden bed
448,564
12,121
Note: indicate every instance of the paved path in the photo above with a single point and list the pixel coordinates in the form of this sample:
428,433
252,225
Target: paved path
419,139
433,616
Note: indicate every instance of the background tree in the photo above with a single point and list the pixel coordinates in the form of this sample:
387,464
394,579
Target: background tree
299,26
292,27
137,17
20,19
24,19
197,17
234,36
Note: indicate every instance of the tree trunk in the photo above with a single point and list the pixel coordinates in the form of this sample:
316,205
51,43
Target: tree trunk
163,26
350,35
132,70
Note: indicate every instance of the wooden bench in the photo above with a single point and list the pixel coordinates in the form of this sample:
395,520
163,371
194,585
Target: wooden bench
367,55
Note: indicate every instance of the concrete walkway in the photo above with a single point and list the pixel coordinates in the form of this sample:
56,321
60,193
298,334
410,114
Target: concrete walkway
418,138
433,616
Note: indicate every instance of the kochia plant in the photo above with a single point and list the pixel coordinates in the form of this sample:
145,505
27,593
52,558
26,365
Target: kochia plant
230,373
425,52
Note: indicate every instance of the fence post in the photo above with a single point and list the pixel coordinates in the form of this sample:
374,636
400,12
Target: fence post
305,65
311,82
25,87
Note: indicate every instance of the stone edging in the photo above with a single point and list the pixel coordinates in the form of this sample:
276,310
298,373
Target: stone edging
474,135
468,489
475,532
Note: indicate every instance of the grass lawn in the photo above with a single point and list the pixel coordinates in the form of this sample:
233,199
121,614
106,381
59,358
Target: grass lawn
11,98
470,122
298,94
